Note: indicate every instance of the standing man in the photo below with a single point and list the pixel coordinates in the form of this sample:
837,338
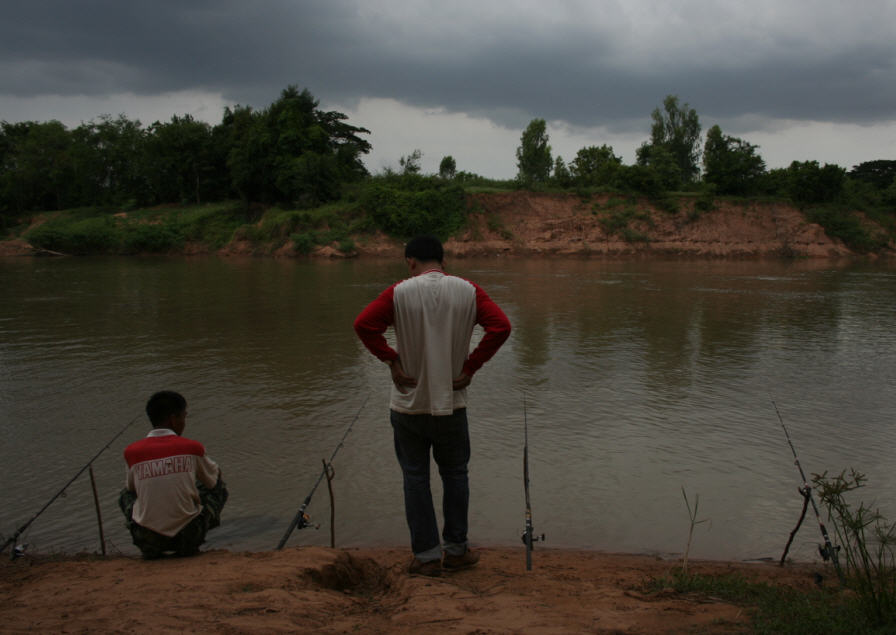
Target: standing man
433,315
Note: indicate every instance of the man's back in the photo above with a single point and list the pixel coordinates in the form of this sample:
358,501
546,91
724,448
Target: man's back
434,318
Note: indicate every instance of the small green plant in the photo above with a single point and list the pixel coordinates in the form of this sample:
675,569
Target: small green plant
868,545
495,224
304,242
630,235
617,222
346,246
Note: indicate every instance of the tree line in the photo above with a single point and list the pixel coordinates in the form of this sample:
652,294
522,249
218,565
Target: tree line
296,156
674,160
291,152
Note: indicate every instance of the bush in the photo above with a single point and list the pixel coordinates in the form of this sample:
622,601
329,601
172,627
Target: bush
305,242
842,224
407,207
617,222
79,237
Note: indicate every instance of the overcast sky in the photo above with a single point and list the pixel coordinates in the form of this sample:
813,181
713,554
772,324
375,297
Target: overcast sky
803,80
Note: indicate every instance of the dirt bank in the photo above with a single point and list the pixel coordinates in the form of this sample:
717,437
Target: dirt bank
525,223
518,222
368,591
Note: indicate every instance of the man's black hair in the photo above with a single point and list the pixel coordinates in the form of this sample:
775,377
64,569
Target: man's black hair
425,249
163,404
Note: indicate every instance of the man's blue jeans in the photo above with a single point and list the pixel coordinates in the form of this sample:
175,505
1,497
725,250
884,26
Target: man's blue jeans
449,439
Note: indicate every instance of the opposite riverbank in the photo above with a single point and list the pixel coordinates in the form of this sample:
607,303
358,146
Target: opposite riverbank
369,591
521,223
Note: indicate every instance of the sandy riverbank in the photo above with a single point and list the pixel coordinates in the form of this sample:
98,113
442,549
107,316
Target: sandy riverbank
368,591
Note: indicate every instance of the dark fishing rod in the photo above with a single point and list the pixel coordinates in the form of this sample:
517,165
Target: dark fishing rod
15,536
827,551
528,537
301,519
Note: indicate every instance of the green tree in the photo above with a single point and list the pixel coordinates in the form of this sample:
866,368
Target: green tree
179,161
35,166
561,175
242,132
878,173
292,152
448,167
595,165
534,155
808,183
108,163
731,164
677,129
660,160
411,163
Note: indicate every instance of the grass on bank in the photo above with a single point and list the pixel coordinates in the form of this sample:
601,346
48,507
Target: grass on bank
169,229
864,600
778,610
154,230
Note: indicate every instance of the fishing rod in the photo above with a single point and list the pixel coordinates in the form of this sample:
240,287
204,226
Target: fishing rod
15,536
528,538
301,519
827,551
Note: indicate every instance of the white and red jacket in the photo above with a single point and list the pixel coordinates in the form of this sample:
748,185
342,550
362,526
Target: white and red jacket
433,315
163,469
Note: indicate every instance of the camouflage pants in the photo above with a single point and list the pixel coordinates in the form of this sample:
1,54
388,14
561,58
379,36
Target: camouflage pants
186,542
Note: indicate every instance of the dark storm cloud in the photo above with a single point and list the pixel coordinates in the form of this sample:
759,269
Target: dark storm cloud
608,68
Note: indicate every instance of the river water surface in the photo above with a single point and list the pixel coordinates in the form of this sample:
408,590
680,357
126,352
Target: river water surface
642,381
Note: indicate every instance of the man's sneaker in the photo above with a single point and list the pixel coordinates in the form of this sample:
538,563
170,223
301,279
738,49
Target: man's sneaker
464,561
431,568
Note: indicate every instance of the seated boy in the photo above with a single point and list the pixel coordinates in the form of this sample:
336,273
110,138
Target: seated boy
174,492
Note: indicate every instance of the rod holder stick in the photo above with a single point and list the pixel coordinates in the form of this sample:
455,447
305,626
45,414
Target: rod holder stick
99,514
330,472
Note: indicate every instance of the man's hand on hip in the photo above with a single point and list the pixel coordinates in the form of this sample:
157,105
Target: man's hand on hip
461,381
398,376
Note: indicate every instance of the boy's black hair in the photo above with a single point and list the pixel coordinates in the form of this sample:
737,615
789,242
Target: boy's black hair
163,404
425,249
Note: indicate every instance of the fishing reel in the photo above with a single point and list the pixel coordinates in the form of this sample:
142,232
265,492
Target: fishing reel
828,553
535,538
305,522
